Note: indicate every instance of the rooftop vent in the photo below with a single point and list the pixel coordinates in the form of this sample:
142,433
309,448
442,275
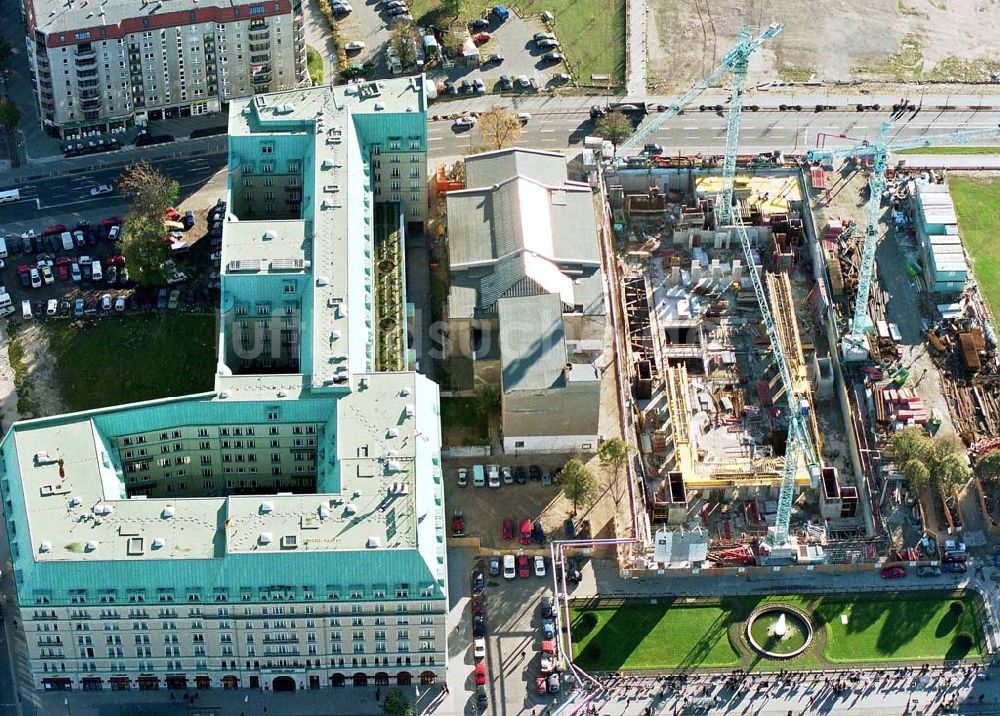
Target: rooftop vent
289,542
135,546
409,410
373,543
45,547
102,509
168,512
266,507
404,391
392,433
265,538
159,543
324,512
42,458
282,393
74,501
394,466
322,281
91,546
350,509
269,236
224,394
379,106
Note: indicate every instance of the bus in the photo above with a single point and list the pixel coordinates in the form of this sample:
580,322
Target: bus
9,195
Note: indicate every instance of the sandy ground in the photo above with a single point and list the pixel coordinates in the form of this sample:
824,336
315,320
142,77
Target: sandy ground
827,41
41,387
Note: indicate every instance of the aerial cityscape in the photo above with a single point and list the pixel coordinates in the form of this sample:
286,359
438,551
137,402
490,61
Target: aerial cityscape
449,357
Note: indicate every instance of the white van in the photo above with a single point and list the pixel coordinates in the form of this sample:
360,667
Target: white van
96,270
3,248
67,241
26,309
6,306
10,195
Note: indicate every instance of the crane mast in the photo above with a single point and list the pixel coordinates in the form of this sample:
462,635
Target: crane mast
737,57
853,346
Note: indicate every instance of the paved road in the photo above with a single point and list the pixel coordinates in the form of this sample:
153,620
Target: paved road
635,47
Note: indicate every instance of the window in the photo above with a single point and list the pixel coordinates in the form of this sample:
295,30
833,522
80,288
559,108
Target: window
267,148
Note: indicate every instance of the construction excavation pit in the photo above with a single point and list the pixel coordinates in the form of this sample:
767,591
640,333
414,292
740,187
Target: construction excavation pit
778,631
717,410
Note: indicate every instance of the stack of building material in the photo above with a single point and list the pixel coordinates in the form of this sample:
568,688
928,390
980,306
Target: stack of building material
945,267
902,405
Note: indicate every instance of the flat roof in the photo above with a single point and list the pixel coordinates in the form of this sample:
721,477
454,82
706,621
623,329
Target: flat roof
265,247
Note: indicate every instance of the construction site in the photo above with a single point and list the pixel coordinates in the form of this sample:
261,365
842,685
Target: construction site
769,362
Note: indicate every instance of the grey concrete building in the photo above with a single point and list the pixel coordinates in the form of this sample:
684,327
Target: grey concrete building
101,65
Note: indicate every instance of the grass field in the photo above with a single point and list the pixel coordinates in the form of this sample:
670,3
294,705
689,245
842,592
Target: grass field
463,423
977,203
592,33
951,150
314,62
878,628
650,636
124,360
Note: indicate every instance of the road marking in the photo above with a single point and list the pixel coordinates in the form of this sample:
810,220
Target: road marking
546,131
435,139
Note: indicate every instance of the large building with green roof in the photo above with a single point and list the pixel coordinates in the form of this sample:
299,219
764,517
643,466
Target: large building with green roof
284,531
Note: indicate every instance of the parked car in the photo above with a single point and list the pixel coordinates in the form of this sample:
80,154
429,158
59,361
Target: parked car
177,277
523,82
493,475
524,117
63,264
95,269
106,302
458,524
64,307
523,568
508,529
479,648
549,43
78,307
548,628
509,570
478,625
74,272
956,568
495,565
464,122
481,38
482,699
480,672
525,531
36,278
47,277
543,36
893,572
463,477
535,472
161,299
570,528
478,581
539,565
478,24
112,277
506,83
52,307
537,533
541,685
120,304
928,570
507,474
494,59
354,46
553,57
553,683
520,475
175,296
478,86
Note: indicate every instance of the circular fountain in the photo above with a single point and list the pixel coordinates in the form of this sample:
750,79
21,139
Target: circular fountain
779,631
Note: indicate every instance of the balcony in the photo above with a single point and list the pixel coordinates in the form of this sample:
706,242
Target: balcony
85,51
88,61
90,94
90,104
82,74
262,78
261,60
259,47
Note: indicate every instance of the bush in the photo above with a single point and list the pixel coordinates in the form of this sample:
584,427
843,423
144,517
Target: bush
586,624
957,608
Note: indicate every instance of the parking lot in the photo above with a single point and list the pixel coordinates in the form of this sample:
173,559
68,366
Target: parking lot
76,270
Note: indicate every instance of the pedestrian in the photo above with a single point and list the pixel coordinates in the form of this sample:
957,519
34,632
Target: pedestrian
523,654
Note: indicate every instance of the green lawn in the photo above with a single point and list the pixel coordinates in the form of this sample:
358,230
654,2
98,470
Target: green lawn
878,628
314,62
977,203
124,360
897,629
950,150
651,636
462,423
592,32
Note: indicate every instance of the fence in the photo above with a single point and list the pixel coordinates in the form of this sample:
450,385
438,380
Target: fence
467,451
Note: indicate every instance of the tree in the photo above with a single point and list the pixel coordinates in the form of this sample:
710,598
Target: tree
404,41
615,127
487,400
499,128
396,704
578,483
614,453
910,443
10,115
988,467
947,444
917,474
6,50
144,249
950,473
151,192
451,7
452,43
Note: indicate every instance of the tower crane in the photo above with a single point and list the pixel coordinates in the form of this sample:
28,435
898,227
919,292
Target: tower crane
799,447
734,61
853,347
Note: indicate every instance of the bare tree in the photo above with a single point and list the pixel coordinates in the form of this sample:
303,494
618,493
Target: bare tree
405,40
614,453
615,127
499,128
151,191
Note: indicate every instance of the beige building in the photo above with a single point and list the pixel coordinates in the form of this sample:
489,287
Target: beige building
100,65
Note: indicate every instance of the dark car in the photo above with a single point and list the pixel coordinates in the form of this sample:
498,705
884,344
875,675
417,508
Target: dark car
478,625
520,475
538,533
189,298
465,87
25,279
495,565
161,299
482,700
570,528
546,607
64,307
478,581
27,245
478,24
955,568
506,83
535,472
112,275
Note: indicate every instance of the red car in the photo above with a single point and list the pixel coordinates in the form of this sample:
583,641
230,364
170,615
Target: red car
54,229
24,268
540,685
477,603
171,214
116,260
482,37
508,525
525,531
523,570
480,673
62,267
110,221
893,572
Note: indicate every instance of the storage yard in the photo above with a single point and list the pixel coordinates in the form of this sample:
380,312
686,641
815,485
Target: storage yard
883,41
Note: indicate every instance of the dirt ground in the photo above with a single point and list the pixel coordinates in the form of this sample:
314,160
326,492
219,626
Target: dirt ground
39,391
828,40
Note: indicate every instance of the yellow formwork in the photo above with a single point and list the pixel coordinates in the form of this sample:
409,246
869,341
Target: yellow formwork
780,190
